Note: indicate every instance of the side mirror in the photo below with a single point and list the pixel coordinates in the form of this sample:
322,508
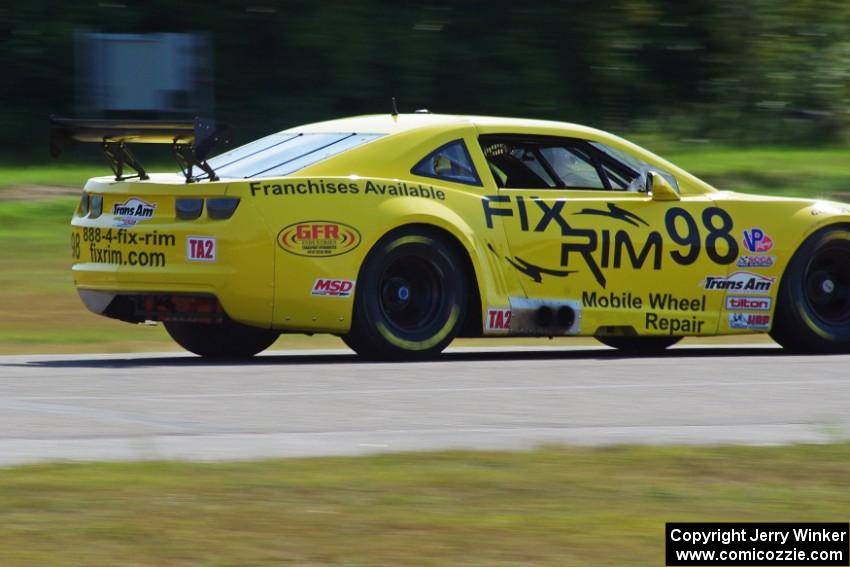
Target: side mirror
660,188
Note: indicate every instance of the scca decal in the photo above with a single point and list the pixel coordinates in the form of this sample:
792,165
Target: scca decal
756,261
319,238
609,249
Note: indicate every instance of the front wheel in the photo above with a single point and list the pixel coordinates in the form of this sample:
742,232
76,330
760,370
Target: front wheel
639,345
813,304
411,297
226,340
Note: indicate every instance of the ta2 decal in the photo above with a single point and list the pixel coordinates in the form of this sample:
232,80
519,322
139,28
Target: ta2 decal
498,320
200,248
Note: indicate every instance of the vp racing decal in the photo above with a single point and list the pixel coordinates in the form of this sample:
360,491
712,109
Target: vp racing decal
600,250
755,240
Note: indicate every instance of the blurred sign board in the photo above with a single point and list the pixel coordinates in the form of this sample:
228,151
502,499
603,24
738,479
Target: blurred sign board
157,75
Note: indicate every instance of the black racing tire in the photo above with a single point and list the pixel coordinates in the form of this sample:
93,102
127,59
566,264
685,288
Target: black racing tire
411,297
812,312
226,340
639,345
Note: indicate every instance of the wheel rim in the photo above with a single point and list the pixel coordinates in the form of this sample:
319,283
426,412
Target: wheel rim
411,293
827,284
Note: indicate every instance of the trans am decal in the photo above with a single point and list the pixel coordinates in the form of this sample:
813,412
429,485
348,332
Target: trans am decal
132,211
740,282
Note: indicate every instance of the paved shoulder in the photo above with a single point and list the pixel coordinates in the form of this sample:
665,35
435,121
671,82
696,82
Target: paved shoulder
116,407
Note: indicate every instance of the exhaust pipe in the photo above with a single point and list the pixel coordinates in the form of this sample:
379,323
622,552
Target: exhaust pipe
544,316
566,316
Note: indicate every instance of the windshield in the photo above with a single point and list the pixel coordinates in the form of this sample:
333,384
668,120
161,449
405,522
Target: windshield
636,164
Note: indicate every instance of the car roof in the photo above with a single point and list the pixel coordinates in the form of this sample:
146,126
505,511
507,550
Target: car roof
390,124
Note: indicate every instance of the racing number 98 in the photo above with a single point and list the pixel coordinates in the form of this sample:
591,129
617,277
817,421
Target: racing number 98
719,226
75,245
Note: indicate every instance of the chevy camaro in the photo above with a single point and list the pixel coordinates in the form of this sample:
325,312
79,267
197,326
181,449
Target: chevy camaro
400,232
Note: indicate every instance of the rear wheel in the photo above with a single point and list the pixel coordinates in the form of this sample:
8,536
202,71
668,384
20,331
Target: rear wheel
639,345
227,340
813,304
411,295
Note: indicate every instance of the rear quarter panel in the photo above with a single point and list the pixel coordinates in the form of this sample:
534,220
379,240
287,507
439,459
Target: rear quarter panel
372,207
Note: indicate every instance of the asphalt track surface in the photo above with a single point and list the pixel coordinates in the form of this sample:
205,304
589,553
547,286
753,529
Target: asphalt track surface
309,403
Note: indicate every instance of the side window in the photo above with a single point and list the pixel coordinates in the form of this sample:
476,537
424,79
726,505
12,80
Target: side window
542,163
573,166
515,164
451,162
534,162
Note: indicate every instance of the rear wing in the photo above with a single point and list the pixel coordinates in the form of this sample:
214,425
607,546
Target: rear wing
191,142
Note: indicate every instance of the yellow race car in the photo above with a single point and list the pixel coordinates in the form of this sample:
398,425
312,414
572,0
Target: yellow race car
400,232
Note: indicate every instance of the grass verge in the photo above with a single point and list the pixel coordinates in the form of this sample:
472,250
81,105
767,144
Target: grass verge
553,506
816,173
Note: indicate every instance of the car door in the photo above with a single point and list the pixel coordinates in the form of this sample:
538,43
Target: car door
580,229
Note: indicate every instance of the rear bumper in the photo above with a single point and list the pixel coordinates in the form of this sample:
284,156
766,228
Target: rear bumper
141,307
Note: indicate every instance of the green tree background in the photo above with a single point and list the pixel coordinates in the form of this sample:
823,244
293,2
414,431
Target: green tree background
752,71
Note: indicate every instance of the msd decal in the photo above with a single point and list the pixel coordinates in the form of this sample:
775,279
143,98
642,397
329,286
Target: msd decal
749,321
741,282
738,303
755,240
498,320
200,248
132,211
332,288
